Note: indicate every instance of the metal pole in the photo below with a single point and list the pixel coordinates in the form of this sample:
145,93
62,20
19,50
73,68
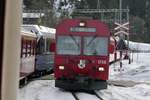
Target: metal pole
128,35
120,18
102,16
98,4
120,7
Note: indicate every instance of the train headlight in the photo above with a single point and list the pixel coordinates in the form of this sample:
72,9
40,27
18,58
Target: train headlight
101,69
61,67
82,24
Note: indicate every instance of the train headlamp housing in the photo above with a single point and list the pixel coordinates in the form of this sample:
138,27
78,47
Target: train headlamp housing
61,67
101,69
82,24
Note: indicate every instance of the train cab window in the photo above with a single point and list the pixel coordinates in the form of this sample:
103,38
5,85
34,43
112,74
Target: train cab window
69,45
95,46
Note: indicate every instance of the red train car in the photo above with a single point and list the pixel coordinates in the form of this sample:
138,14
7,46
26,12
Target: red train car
82,54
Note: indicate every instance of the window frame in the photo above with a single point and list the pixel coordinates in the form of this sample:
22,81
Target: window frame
93,54
69,36
28,47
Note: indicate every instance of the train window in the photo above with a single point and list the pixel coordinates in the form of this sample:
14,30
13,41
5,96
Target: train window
29,48
48,41
23,48
32,47
26,46
40,46
95,46
69,45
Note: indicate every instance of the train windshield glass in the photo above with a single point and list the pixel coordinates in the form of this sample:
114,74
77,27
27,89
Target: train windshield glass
96,46
69,45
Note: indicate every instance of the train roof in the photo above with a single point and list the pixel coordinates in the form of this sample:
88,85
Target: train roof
43,31
27,33
91,27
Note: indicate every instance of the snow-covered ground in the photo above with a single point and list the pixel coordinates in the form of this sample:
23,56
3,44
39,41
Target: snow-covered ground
43,90
138,71
138,92
139,46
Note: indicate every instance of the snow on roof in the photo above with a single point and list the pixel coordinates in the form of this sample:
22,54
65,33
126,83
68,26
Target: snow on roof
47,29
32,15
46,32
27,33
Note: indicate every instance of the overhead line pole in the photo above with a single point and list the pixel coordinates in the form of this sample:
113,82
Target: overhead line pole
120,7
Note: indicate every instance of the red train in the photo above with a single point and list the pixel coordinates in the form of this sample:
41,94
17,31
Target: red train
36,59
82,54
28,49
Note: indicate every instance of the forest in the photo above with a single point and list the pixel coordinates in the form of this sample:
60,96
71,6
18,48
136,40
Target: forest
139,13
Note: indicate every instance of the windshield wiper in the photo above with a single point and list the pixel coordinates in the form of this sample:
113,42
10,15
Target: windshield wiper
75,40
94,37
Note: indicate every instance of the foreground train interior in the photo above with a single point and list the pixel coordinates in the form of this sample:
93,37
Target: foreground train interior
10,21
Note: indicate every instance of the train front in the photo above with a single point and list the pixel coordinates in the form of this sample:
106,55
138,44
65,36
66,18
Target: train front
81,59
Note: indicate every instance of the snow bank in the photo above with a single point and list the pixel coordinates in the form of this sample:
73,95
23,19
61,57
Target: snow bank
139,46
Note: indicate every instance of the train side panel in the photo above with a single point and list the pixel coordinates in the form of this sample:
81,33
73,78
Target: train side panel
28,47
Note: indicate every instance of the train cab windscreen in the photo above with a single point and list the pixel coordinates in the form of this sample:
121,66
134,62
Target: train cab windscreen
69,45
95,46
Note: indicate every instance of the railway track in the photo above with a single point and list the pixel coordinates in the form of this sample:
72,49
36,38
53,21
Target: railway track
118,83
75,96
112,62
96,93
